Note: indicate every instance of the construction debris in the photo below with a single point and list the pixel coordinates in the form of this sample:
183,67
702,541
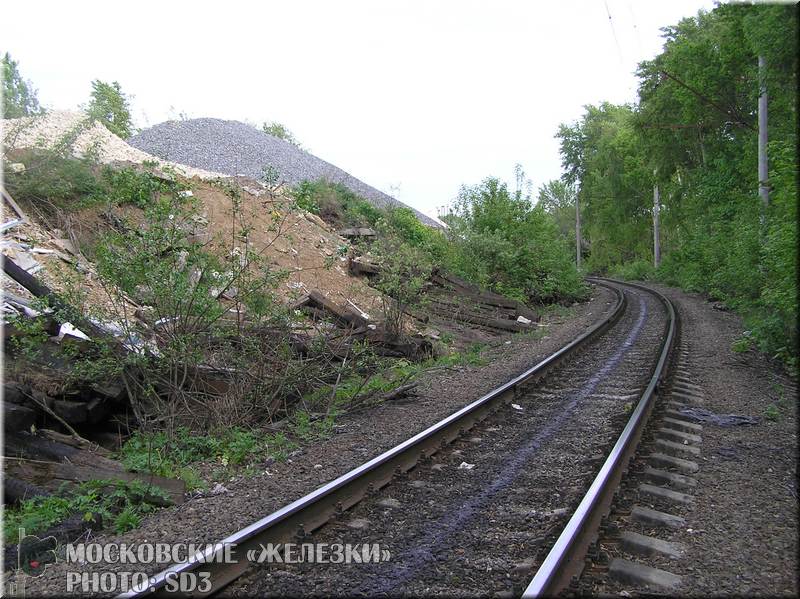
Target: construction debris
357,232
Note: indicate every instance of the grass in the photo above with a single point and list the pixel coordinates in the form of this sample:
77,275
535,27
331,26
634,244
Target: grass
179,456
118,504
358,390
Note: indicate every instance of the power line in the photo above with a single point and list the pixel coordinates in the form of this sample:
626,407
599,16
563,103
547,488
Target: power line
614,33
733,113
635,28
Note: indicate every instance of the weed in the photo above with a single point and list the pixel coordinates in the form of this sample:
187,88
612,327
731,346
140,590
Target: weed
308,429
177,457
118,503
772,413
743,343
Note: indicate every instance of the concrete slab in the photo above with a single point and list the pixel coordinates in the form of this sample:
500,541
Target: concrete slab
671,434
670,479
666,494
677,449
680,424
637,544
668,461
655,518
638,574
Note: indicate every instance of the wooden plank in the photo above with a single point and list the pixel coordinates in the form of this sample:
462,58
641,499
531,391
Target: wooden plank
358,267
357,232
343,313
51,475
16,490
26,445
74,442
7,197
38,289
495,323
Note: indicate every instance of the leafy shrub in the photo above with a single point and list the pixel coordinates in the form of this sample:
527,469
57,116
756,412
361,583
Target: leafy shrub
130,186
638,270
53,180
499,240
119,503
335,203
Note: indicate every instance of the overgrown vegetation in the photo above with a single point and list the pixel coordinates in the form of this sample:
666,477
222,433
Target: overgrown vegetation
178,455
335,204
114,503
19,95
496,238
111,107
693,133
280,131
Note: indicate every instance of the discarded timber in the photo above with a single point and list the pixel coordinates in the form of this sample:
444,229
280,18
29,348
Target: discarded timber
37,288
357,232
449,281
10,201
398,392
51,475
16,490
359,267
75,442
300,302
17,417
344,314
38,447
503,324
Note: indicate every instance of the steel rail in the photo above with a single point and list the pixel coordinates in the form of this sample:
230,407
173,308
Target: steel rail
316,508
565,559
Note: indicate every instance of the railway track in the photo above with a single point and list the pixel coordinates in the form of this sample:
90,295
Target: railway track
510,487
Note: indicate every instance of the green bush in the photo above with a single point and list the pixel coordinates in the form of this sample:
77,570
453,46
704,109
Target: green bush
175,457
499,240
638,270
118,503
335,203
50,179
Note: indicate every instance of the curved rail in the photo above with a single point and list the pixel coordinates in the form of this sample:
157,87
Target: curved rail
316,508
565,559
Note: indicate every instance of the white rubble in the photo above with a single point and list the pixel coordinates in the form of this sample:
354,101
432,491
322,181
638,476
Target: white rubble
91,138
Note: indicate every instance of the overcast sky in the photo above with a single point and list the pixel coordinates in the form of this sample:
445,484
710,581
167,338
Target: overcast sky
413,97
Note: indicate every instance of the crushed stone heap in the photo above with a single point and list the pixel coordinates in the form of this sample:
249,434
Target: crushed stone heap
83,136
235,148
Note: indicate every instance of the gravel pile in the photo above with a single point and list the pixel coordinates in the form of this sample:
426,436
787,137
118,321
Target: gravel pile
234,148
82,136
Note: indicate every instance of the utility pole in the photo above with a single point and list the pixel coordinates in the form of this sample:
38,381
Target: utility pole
577,231
763,172
656,239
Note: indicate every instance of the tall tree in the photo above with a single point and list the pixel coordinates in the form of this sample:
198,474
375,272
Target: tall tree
557,198
111,107
19,96
693,134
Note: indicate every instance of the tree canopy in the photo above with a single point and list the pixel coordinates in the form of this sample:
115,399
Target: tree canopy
693,133
111,107
19,96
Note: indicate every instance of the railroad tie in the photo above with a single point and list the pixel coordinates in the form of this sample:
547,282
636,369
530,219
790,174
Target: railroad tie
641,575
665,480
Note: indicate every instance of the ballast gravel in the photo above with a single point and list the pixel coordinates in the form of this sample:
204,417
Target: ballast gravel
360,436
236,148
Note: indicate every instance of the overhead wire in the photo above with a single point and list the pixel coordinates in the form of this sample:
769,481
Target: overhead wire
613,32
